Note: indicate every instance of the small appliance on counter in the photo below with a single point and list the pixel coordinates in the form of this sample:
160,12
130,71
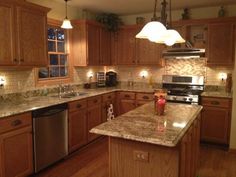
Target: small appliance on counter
111,79
101,79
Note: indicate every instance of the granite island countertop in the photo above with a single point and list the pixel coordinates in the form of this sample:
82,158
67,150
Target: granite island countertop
10,108
217,94
141,124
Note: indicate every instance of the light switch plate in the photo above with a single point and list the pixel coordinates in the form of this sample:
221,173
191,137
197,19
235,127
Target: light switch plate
141,156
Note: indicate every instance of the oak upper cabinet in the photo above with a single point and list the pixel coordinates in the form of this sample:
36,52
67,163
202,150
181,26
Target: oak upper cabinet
77,124
90,44
16,148
148,53
124,46
94,115
220,44
216,118
23,34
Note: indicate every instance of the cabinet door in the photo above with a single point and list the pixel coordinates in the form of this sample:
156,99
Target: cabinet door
7,43
32,38
148,53
16,153
77,129
105,47
126,46
215,125
93,32
94,119
127,105
220,50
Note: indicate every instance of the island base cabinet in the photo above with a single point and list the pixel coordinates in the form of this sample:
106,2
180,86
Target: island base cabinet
136,159
16,156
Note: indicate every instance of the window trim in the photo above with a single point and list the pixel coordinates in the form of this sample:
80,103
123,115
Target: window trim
57,80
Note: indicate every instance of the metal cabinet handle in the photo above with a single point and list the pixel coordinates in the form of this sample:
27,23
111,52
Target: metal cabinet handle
78,105
145,97
109,97
127,96
215,102
95,101
22,60
15,60
16,122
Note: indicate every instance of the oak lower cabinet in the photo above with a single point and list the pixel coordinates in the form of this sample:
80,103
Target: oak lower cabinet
220,44
77,124
16,148
94,115
216,119
143,98
107,100
23,31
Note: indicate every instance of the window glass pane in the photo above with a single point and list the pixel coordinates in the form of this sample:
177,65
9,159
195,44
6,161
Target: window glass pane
61,47
63,60
43,73
54,71
63,71
51,34
60,35
53,59
51,46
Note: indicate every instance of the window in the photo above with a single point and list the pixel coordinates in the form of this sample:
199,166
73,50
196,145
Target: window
58,66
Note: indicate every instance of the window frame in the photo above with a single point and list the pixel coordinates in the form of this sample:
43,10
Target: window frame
57,80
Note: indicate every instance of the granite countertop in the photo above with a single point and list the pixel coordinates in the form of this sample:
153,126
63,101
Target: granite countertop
220,94
143,125
33,103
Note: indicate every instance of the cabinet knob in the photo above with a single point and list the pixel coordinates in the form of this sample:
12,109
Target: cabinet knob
78,105
22,60
15,60
145,97
16,122
215,102
127,96
95,101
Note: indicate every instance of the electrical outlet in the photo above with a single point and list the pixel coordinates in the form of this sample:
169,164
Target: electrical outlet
141,156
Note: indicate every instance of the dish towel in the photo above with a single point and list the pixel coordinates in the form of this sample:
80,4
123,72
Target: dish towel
110,112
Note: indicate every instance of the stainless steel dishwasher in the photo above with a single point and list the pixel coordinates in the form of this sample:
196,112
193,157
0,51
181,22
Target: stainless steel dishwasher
50,132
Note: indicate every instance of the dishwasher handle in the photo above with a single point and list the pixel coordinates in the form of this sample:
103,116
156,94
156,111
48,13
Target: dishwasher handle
49,111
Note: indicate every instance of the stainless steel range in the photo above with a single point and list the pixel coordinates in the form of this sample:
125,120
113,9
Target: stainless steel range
183,89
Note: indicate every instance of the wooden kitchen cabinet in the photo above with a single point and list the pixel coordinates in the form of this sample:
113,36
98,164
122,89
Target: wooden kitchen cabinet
143,98
94,115
220,44
216,118
90,44
77,124
148,53
107,99
16,148
23,34
124,46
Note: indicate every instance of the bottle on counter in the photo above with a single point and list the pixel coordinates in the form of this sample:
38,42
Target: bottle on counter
160,105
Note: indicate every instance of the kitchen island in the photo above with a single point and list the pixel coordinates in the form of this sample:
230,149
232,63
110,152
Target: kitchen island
142,144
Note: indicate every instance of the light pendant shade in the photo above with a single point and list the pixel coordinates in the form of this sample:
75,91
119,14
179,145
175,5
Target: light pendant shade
170,37
152,31
66,24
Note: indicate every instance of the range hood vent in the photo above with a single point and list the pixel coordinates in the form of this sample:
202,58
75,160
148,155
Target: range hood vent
184,53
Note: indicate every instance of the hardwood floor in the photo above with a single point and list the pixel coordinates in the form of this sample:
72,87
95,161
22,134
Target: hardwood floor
93,162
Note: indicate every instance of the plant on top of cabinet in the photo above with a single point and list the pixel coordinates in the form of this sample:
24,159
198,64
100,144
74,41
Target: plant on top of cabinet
23,32
111,21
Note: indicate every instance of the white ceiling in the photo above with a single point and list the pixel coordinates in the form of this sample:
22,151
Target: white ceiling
124,7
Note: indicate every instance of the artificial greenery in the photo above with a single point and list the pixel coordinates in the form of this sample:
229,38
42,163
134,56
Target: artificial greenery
110,20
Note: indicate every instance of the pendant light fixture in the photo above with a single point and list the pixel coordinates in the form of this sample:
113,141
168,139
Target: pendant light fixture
157,32
66,22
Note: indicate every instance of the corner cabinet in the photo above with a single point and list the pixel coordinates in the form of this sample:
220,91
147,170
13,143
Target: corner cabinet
216,120
220,48
90,44
23,30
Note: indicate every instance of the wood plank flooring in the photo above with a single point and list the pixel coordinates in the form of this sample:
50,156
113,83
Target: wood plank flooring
93,162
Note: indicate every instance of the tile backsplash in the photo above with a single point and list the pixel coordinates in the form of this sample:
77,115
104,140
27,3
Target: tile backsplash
24,80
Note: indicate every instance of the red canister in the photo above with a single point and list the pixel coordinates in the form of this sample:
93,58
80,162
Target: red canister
160,105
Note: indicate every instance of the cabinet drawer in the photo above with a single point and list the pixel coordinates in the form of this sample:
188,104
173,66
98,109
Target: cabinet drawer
108,97
15,122
94,101
216,102
76,105
144,96
127,95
